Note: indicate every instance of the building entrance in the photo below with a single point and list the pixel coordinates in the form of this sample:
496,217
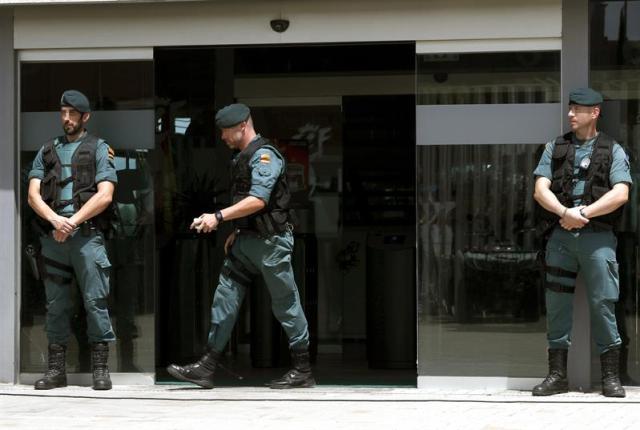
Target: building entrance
344,118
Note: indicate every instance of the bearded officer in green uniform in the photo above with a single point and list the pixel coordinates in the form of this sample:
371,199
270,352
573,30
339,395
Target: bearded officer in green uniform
582,182
260,246
71,184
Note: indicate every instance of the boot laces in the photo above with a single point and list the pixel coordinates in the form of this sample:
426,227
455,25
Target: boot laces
55,364
101,372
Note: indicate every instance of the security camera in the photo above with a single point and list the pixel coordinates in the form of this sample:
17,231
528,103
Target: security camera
279,25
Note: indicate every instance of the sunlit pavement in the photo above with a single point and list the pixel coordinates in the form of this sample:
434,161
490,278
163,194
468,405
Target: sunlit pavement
323,407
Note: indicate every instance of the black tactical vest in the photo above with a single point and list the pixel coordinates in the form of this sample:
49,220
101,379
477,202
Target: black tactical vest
83,176
596,180
276,215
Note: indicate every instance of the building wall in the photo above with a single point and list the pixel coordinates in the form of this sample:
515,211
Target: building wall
86,28
8,205
223,23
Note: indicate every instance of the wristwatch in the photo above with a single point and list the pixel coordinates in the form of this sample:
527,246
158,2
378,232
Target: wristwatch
219,217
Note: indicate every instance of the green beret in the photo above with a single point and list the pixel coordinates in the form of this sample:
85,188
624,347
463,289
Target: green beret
76,100
232,115
585,97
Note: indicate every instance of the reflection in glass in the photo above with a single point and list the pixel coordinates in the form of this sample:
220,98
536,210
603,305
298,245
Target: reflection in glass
615,71
489,78
481,298
124,102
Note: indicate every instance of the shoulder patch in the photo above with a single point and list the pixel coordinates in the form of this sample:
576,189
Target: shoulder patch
110,152
264,171
265,158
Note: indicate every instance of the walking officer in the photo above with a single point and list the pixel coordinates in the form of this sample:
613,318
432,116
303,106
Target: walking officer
260,246
582,182
71,184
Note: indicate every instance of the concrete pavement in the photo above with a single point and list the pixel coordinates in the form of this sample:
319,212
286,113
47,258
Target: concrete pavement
324,407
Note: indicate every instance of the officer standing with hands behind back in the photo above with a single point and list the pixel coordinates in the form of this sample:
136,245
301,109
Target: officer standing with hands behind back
71,184
582,182
261,245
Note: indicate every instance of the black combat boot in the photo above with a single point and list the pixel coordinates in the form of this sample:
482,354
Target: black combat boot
556,381
610,365
298,377
99,359
56,374
200,373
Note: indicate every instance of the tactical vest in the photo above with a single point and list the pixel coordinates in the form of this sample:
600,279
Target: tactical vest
596,180
83,177
276,216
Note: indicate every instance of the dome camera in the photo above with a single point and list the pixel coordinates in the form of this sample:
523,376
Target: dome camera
279,25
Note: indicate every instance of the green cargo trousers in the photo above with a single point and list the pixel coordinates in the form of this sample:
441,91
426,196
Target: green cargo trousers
593,254
270,258
84,257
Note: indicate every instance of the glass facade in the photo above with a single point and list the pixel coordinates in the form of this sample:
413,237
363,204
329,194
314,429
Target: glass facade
615,71
122,101
366,194
481,301
488,78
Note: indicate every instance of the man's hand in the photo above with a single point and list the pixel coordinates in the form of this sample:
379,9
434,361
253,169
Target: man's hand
229,242
572,219
62,224
59,236
205,223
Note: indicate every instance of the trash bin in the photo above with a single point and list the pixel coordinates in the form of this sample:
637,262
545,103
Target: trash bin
391,300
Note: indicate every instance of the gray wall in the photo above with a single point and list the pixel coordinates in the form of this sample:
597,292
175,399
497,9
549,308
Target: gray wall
575,73
8,204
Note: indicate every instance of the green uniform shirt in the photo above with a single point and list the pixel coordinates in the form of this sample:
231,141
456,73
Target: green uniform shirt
105,169
620,170
266,167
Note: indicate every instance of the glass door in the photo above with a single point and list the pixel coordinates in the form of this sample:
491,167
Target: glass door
615,71
482,120
344,118
121,94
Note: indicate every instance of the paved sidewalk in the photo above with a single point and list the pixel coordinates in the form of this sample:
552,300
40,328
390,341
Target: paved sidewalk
323,407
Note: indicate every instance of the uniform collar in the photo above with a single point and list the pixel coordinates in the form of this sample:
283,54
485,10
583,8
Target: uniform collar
583,142
64,140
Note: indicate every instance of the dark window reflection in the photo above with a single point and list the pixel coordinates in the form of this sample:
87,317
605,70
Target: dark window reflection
615,67
481,295
115,85
489,78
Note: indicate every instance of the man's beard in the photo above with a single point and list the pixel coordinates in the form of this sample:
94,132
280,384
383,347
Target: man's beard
69,130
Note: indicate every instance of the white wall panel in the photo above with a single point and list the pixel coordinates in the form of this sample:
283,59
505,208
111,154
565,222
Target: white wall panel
489,45
227,22
122,129
487,124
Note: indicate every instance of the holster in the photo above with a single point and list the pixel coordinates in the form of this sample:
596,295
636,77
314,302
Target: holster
33,255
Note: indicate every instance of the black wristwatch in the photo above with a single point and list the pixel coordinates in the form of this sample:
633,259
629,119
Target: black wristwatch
219,217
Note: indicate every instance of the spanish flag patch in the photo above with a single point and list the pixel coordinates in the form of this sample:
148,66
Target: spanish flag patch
110,153
265,158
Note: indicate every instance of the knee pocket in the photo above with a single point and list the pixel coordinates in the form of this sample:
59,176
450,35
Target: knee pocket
284,301
96,303
613,279
101,281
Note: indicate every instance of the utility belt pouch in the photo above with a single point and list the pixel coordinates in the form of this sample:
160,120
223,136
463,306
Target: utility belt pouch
49,188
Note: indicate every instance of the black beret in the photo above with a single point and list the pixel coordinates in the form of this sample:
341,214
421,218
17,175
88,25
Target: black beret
585,97
232,115
76,100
